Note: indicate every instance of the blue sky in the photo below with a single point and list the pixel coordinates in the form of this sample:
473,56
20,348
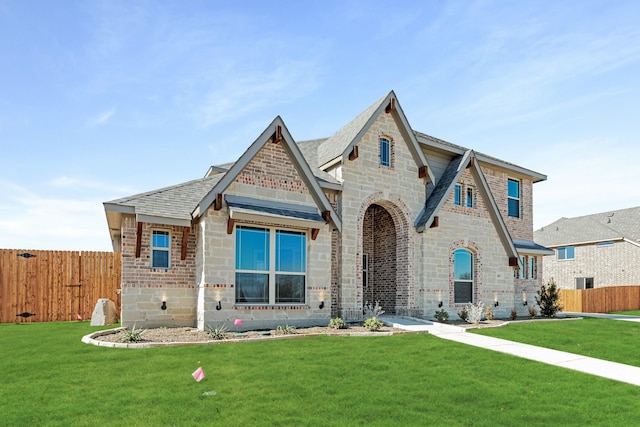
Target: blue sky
104,99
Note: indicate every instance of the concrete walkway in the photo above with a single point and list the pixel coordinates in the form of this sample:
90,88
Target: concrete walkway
602,368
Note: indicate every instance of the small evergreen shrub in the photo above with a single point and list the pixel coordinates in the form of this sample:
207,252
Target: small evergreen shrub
488,313
373,324
532,312
548,299
514,314
442,316
463,314
132,335
217,332
285,330
337,323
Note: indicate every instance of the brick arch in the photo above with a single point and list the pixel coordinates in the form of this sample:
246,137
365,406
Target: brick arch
477,269
404,275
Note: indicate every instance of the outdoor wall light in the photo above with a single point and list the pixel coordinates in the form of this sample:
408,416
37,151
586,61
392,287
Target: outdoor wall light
524,298
219,306
164,305
495,304
321,305
524,303
440,304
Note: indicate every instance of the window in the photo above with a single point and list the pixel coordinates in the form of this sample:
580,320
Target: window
385,152
469,197
566,253
604,244
584,282
513,193
462,276
160,249
457,195
365,270
270,266
523,270
532,267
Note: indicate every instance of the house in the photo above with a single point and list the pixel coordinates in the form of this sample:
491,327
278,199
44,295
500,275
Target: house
593,251
298,232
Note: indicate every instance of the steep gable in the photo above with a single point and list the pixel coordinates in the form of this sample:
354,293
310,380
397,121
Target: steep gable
445,188
273,161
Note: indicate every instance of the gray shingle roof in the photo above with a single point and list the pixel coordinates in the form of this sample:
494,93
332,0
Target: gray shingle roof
336,144
610,225
440,191
176,201
528,245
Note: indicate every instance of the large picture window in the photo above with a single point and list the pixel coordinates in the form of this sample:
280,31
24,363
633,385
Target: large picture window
513,192
270,266
462,276
160,245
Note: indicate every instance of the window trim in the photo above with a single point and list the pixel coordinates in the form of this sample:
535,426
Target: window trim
563,250
385,149
457,195
154,248
469,202
272,272
471,281
518,199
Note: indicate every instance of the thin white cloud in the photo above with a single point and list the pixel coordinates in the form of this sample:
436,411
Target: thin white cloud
101,118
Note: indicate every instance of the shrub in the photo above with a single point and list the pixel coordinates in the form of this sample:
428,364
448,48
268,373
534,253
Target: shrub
548,299
514,314
463,314
532,312
337,323
132,335
476,311
373,324
218,332
488,313
442,316
285,330
375,311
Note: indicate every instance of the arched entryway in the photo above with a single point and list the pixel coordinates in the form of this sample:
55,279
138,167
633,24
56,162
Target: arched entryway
379,258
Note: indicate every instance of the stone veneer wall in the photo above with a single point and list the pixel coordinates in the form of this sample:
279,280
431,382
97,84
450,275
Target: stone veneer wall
271,176
614,265
144,288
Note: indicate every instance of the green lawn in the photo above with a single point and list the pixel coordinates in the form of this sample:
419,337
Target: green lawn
607,339
50,378
628,313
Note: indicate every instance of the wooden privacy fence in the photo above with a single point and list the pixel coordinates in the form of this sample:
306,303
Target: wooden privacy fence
56,285
601,300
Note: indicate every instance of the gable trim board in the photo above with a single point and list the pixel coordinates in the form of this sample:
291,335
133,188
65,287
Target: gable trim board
276,131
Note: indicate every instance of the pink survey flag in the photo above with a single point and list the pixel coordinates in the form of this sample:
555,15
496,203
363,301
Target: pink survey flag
79,317
238,322
199,374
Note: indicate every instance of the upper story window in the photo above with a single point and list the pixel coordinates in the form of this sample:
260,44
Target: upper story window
469,197
270,266
160,249
462,276
513,193
567,252
457,195
604,244
385,152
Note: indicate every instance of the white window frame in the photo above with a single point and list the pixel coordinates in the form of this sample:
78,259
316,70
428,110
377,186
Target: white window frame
471,281
272,272
563,249
161,248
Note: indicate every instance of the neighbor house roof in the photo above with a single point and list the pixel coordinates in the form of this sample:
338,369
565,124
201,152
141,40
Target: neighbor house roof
623,224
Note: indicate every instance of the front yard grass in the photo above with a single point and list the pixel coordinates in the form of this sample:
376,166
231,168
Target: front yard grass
50,378
614,340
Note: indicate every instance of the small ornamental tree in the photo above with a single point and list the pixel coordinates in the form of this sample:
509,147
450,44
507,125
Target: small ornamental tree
548,299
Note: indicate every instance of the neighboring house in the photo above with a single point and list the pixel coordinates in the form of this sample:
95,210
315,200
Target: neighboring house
593,251
297,232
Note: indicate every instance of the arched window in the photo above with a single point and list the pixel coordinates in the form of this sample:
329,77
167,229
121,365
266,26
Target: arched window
462,276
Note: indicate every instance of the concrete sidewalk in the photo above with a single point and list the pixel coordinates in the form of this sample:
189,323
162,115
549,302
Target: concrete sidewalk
602,368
